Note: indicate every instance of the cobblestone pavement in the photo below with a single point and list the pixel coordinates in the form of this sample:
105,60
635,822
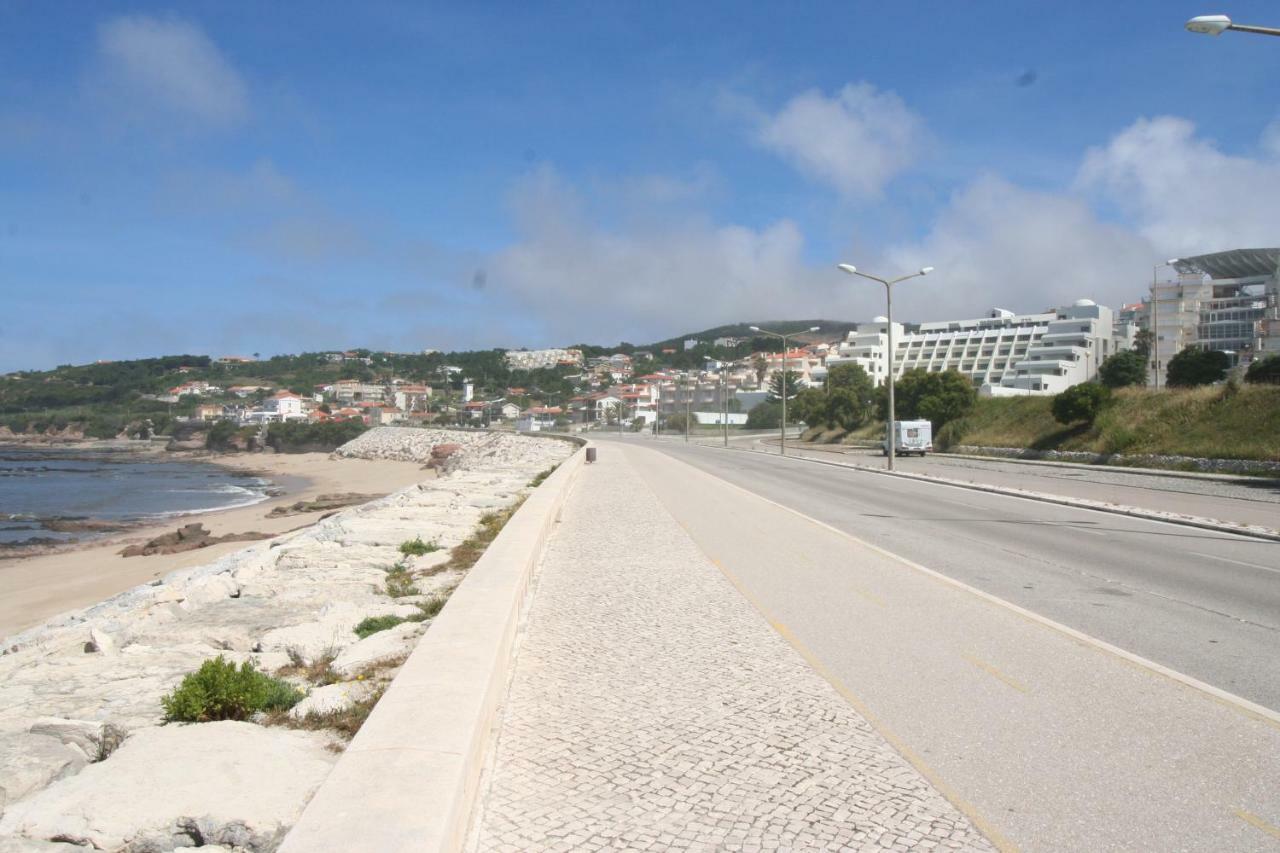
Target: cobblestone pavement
652,708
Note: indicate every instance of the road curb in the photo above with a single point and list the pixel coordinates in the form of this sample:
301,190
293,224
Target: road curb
1078,503
409,779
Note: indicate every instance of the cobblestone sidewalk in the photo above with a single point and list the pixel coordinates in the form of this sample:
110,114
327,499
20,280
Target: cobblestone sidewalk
652,708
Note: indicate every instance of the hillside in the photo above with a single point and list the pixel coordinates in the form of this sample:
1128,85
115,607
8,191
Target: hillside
827,329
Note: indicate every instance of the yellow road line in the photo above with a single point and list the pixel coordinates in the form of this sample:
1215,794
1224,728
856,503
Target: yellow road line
995,673
1257,822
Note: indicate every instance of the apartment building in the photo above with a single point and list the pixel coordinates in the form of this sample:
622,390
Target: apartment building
542,358
1003,354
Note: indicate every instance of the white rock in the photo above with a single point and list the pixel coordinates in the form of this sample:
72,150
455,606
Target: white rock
86,735
210,590
30,763
331,698
380,647
227,783
102,641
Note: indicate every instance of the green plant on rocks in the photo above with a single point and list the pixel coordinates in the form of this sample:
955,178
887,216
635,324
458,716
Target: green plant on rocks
399,582
416,547
219,690
373,624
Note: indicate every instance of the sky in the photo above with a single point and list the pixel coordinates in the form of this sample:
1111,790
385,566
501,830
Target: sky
238,178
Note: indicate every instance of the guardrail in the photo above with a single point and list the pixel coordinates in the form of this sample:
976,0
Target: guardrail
409,778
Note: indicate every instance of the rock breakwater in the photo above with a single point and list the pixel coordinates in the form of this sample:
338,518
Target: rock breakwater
290,606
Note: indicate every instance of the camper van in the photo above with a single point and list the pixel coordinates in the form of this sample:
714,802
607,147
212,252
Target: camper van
910,437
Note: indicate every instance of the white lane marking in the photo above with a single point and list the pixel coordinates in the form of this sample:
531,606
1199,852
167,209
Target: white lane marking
1237,562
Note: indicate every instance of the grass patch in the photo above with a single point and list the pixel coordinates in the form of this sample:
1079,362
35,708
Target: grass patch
1215,422
416,547
219,690
429,609
319,672
345,722
399,582
373,624
465,554
538,480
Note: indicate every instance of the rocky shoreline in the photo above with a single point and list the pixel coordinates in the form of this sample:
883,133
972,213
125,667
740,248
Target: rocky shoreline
84,757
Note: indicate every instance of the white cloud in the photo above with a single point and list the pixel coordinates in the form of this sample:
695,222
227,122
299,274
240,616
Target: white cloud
999,245
582,281
856,141
1183,193
170,65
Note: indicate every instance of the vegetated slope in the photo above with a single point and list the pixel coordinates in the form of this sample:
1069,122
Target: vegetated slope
1213,422
826,329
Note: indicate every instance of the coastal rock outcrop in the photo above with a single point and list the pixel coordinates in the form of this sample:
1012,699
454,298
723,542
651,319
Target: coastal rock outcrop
285,605
228,783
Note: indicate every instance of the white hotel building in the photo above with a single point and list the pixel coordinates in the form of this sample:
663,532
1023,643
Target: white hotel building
1004,354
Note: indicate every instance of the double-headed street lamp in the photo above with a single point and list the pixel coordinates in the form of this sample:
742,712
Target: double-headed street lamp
1216,25
888,298
782,445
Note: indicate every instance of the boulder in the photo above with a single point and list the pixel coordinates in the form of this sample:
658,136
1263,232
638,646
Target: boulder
331,699
377,648
30,762
168,787
91,737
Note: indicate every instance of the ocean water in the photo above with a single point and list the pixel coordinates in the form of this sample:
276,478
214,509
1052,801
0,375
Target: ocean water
39,486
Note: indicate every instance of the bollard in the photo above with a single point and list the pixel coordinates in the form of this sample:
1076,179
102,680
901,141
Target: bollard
591,454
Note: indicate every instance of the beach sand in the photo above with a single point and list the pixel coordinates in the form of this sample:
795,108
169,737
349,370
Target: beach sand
33,589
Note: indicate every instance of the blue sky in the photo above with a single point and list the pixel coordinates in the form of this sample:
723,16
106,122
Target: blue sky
236,178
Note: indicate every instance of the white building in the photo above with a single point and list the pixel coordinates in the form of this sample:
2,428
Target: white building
284,405
540,358
1226,301
1003,354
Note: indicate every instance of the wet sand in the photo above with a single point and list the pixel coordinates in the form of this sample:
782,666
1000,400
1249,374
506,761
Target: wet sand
33,589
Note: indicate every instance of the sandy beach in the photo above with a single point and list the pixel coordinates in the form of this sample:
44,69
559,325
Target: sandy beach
34,589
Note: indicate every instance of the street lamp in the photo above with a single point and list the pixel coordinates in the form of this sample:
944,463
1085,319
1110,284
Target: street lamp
1155,328
1216,25
890,449
782,430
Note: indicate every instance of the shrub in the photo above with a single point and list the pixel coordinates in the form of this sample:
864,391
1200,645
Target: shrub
374,624
1080,402
1192,367
220,691
538,480
767,415
416,547
429,608
1264,370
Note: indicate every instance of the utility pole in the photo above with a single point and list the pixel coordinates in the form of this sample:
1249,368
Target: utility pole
688,399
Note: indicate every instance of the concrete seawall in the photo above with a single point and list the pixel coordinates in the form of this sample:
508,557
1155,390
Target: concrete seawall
409,778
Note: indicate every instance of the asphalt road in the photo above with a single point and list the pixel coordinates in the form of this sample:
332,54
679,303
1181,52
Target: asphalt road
1203,603
1050,742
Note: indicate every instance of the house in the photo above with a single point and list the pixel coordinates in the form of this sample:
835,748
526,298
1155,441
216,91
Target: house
208,412
538,418
243,391
412,397
510,411
285,405
383,414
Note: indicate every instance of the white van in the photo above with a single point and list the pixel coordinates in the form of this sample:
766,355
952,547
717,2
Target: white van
910,437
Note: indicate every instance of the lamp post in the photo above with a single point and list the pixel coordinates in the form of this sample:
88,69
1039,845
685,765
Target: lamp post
782,429
688,399
890,449
1216,25
1155,327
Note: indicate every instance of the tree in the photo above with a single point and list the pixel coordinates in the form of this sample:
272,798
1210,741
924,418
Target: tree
767,415
790,378
810,406
844,409
1193,367
851,377
1143,343
760,366
674,423
936,397
1123,369
1080,402
1264,370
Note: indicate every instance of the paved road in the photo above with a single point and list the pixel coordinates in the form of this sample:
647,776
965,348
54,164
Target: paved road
1244,500
1200,602
1052,742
